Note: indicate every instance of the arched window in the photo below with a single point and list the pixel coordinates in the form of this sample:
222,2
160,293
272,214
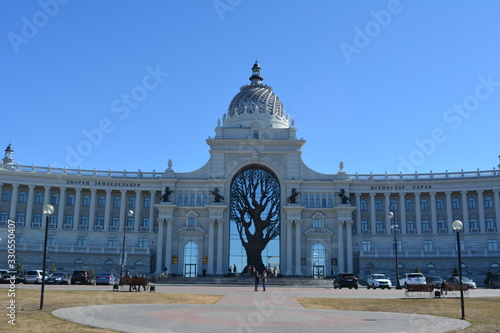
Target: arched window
370,266
109,262
102,201
71,200
255,134
55,199
191,219
86,200
6,195
378,205
318,259
190,259
424,204
472,203
22,197
131,202
78,262
430,266
409,204
455,204
39,198
139,263
393,205
147,202
494,265
116,202
488,203
439,204
362,205
318,221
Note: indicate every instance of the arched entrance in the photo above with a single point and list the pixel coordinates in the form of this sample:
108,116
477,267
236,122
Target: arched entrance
190,259
318,253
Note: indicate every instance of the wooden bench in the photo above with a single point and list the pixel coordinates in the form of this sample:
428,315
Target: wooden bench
418,289
134,283
454,289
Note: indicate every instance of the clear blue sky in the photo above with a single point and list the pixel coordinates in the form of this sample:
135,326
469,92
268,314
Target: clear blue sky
380,85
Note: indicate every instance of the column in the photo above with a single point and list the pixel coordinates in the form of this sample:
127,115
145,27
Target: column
92,208
152,210
480,203
60,210
496,194
358,212
29,207
402,215
418,213
107,210
76,215
159,247
220,243
46,195
123,209
137,210
289,247
465,212
387,204
168,242
433,213
350,260
298,234
211,237
13,203
373,214
449,211
340,238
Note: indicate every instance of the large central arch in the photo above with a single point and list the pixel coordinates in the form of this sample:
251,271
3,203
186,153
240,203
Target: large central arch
255,215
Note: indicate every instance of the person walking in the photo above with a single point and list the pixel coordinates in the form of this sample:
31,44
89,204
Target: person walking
257,280
264,280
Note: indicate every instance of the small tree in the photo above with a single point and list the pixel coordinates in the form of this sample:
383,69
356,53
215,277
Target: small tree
19,266
455,271
52,268
417,270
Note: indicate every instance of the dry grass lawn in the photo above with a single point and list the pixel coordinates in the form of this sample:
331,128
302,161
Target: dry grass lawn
483,313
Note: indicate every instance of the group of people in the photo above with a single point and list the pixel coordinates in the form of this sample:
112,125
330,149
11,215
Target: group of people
262,276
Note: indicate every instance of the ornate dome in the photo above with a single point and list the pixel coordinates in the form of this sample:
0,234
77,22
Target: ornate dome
256,102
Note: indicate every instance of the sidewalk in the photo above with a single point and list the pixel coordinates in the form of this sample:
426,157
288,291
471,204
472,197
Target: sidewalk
244,310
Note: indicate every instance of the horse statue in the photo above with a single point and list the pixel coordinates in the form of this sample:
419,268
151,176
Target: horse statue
164,197
293,198
217,196
342,196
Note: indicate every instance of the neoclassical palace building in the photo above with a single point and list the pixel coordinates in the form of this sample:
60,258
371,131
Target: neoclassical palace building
181,220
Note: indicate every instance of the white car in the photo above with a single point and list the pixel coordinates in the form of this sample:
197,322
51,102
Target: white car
378,281
412,278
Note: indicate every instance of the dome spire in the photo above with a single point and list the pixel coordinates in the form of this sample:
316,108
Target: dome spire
256,78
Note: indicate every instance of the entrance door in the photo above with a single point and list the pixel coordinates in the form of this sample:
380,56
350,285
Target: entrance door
189,270
318,272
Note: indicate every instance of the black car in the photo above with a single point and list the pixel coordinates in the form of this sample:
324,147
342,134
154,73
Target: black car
494,281
82,277
348,280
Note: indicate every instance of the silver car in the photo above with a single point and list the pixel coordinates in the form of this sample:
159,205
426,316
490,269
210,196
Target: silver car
58,278
34,276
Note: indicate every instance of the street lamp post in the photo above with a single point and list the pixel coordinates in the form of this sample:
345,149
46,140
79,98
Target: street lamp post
457,226
395,232
130,213
47,210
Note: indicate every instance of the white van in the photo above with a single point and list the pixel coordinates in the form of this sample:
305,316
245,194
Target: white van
34,276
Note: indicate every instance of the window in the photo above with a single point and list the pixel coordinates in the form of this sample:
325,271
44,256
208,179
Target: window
100,220
304,199
379,225
364,225
430,266
462,246
424,205
19,239
39,198
191,222
472,203
86,200
317,200
455,204
367,245
425,225
116,202
139,263
427,245
37,218
78,262
400,245
488,203
198,199
179,199
378,205
439,204
393,205
330,200
255,134
145,222
490,224
53,219
71,200
362,205
318,251
109,262
115,221
55,199
85,220
147,202
131,202
81,241
409,204
318,223
473,223
101,201
492,244
112,241
22,197
410,225
130,222
441,224
21,217
6,196
69,220
143,243
51,240
4,216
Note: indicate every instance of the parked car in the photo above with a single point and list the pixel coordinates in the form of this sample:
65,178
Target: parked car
34,276
82,277
378,281
412,278
435,280
4,276
345,280
20,276
494,281
465,280
106,278
58,278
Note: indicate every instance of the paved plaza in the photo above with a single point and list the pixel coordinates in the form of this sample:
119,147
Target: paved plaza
244,310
